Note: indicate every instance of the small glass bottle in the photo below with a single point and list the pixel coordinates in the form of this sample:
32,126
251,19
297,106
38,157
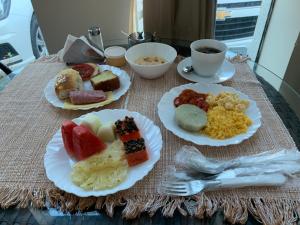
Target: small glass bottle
95,37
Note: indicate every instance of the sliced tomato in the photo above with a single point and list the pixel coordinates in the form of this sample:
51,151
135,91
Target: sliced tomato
85,143
177,102
67,136
85,70
130,136
138,157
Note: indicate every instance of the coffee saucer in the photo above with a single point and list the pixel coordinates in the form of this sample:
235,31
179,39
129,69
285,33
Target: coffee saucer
225,73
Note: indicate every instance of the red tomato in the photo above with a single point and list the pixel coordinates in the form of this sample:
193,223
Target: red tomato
67,136
177,102
138,157
85,143
85,70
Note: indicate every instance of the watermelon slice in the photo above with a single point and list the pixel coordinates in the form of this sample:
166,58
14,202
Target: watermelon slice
137,157
85,143
67,136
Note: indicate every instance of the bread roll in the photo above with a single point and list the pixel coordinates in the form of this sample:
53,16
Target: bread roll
66,81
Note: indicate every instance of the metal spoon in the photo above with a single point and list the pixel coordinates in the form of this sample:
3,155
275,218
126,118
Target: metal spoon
187,69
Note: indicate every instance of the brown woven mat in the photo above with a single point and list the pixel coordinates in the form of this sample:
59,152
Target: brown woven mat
28,121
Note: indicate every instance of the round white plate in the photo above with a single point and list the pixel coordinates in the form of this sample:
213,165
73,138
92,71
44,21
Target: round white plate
58,165
125,82
166,112
226,72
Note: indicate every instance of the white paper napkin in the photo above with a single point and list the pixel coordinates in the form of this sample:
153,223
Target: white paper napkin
79,50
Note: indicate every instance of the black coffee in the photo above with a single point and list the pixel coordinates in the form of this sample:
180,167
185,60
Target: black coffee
208,50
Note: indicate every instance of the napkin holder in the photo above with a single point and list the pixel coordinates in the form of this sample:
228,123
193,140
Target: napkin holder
79,50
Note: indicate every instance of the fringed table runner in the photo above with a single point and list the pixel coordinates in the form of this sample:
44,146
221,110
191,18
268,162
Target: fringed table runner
28,122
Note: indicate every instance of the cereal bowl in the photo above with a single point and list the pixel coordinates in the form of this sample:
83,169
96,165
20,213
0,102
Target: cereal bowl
163,51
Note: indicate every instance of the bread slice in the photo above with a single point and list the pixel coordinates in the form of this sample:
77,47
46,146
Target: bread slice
66,81
106,81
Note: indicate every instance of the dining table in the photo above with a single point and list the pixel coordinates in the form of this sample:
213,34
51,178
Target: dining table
28,122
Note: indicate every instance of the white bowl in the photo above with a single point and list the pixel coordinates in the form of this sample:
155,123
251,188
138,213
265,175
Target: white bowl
150,49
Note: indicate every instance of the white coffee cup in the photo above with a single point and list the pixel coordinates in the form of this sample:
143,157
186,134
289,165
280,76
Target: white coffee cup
206,64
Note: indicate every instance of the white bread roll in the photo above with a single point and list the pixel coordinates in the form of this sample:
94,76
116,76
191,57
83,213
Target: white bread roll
66,81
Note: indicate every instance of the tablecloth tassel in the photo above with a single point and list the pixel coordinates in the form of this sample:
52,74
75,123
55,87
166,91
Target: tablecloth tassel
204,206
54,196
235,210
38,198
173,204
70,203
135,205
154,203
24,198
86,203
9,197
274,211
111,202
99,203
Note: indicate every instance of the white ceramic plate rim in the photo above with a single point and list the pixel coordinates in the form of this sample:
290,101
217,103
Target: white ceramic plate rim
166,112
125,83
218,78
56,160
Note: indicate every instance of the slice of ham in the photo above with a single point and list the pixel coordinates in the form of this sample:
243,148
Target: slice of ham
86,97
86,70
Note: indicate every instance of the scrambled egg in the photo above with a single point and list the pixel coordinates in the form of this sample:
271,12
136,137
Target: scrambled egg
102,171
223,123
230,101
226,117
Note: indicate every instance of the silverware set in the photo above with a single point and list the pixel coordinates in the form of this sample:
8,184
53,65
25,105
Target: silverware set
198,173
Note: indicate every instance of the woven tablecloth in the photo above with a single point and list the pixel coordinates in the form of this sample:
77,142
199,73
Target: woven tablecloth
28,122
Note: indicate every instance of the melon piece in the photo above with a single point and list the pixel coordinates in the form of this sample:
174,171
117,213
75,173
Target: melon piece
92,122
106,132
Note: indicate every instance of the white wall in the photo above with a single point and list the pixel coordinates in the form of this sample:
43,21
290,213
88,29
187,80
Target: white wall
281,37
58,18
281,53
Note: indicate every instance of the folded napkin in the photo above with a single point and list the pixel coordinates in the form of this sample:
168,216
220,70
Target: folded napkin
80,50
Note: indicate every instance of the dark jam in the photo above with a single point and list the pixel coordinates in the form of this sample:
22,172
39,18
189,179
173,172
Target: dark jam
125,126
134,145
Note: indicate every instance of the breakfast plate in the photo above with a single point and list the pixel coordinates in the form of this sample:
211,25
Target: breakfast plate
225,73
58,164
125,82
166,112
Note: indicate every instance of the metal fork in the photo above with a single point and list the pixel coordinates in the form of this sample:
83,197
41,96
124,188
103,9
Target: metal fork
187,188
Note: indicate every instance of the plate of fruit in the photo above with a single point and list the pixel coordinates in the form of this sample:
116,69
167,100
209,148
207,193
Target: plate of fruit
209,114
101,153
86,86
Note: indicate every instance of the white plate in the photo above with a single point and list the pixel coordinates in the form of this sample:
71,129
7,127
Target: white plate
226,72
58,165
125,82
166,112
